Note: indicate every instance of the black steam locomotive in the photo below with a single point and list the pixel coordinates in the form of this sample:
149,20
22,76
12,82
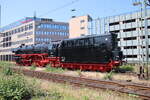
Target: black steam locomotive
99,52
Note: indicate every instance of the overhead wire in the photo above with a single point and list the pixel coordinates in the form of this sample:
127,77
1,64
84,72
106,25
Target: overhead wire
59,8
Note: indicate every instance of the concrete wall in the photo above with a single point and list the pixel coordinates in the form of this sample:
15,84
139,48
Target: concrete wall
130,26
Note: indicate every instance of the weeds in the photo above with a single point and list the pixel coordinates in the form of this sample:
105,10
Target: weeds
33,67
7,71
79,73
52,69
133,95
15,87
86,98
6,64
48,95
55,95
109,76
126,68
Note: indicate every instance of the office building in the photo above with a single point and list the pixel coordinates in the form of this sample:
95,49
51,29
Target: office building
30,30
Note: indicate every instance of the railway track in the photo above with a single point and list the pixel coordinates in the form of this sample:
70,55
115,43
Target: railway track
124,87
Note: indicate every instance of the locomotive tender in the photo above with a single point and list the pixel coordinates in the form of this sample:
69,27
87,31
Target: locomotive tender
96,53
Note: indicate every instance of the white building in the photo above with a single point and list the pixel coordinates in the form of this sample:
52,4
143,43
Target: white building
130,30
29,31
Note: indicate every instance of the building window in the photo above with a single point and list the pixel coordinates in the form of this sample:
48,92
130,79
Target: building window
129,21
118,39
116,31
6,34
144,46
143,37
19,29
26,28
22,29
130,47
53,26
114,23
30,26
130,56
25,34
82,21
6,44
23,41
130,29
82,28
15,30
130,38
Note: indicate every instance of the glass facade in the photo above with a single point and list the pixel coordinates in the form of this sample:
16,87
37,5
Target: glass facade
17,23
42,39
53,26
51,33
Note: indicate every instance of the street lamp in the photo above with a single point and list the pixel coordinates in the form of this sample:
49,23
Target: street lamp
0,16
73,10
144,4
136,3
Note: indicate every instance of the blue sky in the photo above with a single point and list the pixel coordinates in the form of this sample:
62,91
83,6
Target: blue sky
13,10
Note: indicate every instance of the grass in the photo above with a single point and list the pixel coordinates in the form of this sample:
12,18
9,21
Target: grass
53,69
79,73
19,87
33,67
97,75
126,68
7,71
109,76
6,64
45,90
68,92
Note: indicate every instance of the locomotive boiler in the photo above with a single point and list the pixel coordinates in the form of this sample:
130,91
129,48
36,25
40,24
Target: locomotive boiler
96,53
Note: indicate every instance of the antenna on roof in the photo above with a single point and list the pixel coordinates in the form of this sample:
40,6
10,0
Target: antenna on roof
34,16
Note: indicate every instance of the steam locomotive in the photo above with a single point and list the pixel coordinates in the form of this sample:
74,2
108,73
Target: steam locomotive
96,53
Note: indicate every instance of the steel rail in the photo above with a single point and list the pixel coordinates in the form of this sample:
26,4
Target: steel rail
119,86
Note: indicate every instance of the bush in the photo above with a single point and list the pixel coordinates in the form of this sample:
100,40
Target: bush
15,88
126,68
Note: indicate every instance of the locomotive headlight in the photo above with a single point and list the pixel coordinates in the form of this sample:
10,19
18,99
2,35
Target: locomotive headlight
106,39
